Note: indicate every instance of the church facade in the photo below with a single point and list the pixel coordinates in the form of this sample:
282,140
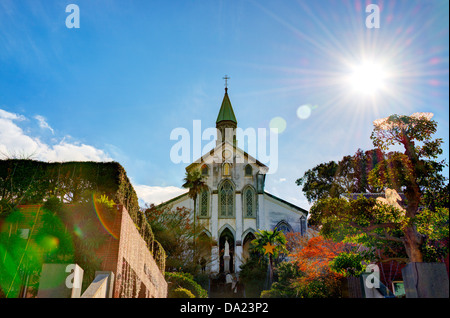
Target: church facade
235,205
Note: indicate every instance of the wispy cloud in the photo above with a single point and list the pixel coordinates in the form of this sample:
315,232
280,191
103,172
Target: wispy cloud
43,123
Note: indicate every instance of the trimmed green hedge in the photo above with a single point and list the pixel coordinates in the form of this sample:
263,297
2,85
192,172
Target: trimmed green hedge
186,281
24,181
181,293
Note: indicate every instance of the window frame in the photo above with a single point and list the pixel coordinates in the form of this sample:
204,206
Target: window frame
208,204
232,196
245,205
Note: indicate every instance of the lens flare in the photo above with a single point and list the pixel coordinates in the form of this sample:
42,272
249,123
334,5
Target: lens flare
49,242
277,125
304,111
105,217
77,231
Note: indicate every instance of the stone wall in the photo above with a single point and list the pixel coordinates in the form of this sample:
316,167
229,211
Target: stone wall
123,251
129,257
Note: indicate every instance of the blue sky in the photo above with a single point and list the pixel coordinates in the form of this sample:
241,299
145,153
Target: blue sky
116,87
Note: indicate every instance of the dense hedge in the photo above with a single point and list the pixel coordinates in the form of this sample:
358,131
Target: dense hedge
186,281
24,181
181,293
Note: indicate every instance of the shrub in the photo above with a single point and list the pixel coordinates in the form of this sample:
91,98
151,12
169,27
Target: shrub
186,281
180,292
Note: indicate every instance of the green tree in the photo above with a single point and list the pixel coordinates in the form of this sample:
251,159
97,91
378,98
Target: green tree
272,243
285,287
173,229
318,182
349,175
195,182
412,171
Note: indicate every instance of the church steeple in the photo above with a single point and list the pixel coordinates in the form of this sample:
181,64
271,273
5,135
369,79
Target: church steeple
226,112
226,119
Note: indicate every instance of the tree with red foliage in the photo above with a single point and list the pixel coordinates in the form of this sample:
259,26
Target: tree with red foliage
313,261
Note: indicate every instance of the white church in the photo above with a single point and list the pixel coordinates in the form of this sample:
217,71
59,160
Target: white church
235,205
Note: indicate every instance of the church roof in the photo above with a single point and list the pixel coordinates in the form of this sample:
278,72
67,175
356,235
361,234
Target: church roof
226,110
209,157
286,202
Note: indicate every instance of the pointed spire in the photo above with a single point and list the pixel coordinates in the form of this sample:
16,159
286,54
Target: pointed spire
226,112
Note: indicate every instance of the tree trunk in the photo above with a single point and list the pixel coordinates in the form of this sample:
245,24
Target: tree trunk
413,242
195,206
270,270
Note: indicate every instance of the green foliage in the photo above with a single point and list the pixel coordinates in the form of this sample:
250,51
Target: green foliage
321,287
202,280
194,181
24,181
349,175
361,221
32,182
287,274
186,281
292,283
173,229
350,263
53,205
434,225
180,293
274,237
105,201
16,255
253,275
404,130
334,215
318,182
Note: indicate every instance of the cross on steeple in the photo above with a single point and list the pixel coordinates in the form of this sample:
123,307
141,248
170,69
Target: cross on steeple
226,82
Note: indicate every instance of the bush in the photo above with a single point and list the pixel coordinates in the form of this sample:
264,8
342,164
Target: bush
180,292
286,273
186,281
254,275
349,264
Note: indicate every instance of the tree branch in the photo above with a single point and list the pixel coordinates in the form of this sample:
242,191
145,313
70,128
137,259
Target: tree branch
386,237
374,226
367,230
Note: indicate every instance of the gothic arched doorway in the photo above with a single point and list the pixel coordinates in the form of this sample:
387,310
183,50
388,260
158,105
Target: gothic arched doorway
204,244
226,236
247,245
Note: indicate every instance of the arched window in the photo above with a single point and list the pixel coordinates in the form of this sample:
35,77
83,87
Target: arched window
204,203
205,170
249,202
248,170
284,227
226,169
226,199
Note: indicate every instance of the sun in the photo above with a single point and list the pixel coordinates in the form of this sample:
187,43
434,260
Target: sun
367,78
